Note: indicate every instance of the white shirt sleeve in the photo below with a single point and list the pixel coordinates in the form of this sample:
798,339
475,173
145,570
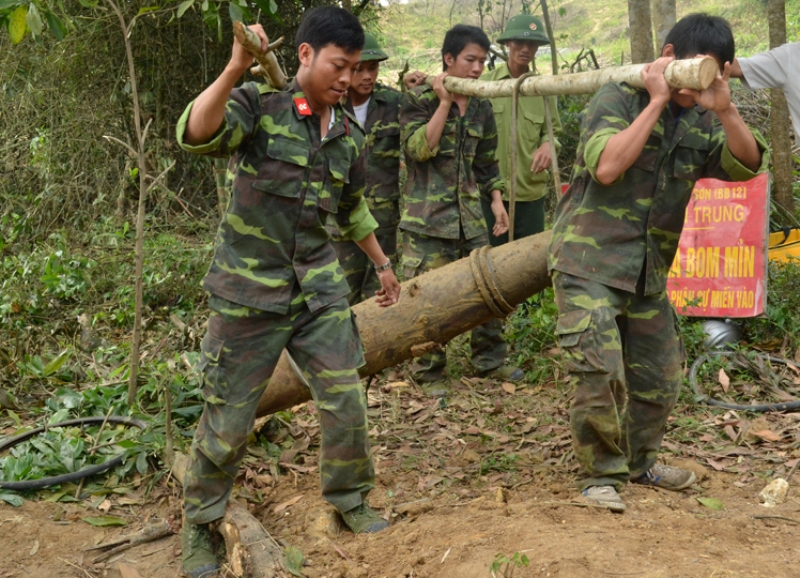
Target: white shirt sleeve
771,69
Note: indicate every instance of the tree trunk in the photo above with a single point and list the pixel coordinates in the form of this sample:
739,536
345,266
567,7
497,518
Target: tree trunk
641,31
664,17
433,309
548,26
781,143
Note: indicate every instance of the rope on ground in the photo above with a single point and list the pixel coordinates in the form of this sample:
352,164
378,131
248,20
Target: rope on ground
72,476
759,408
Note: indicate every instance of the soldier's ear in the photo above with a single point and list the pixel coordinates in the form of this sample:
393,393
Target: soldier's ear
305,53
668,50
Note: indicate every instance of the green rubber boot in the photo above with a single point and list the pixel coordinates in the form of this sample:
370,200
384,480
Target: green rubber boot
364,520
199,560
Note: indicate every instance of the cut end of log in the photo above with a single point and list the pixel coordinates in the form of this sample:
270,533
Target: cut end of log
694,73
707,72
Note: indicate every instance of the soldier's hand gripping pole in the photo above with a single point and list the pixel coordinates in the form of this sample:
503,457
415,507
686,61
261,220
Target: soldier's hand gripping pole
694,73
268,65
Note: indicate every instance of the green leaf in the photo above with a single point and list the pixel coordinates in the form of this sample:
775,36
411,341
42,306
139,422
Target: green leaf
123,367
9,3
59,416
711,503
562,11
141,463
56,496
104,521
56,364
17,25
185,5
34,20
67,398
236,12
12,499
294,561
57,27
266,6
146,9
88,3
15,417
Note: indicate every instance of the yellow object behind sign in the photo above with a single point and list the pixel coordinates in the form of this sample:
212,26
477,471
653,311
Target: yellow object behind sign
785,245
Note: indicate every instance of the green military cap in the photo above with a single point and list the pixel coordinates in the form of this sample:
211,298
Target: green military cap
372,50
524,27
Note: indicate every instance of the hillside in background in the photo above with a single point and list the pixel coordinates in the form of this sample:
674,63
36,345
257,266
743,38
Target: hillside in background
414,31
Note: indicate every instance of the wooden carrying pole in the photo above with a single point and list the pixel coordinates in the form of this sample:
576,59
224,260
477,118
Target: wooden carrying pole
695,73
268,65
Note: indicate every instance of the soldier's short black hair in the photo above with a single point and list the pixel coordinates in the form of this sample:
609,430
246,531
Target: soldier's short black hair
702,34
458,37
326,25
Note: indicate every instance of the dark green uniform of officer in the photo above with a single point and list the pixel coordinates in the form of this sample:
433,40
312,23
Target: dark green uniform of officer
381,111
523,36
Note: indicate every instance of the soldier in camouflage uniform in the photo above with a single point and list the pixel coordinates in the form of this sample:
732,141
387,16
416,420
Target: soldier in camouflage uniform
275,281
614,239
377,108
450,143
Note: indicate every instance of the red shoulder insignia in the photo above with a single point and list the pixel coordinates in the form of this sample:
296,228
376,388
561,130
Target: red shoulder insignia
303,109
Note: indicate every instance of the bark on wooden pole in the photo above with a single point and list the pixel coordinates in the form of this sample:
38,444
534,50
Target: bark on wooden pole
268,65
433,309
695,73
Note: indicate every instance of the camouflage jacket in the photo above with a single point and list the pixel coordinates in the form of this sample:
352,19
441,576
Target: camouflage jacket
383,157
614,233
442,195
287,180
531,134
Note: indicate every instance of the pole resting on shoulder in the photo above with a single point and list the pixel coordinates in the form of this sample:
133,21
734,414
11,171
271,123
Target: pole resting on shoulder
693,73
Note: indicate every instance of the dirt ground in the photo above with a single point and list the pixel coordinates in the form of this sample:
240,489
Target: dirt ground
488,473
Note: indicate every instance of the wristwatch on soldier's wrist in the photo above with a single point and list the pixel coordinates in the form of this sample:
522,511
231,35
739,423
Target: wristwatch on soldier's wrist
385,267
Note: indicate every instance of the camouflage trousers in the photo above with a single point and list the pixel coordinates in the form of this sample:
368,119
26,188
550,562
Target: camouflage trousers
359,270
624,357
422,253
239,354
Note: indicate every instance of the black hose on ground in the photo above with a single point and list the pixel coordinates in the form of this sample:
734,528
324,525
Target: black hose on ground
701,397
72,476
